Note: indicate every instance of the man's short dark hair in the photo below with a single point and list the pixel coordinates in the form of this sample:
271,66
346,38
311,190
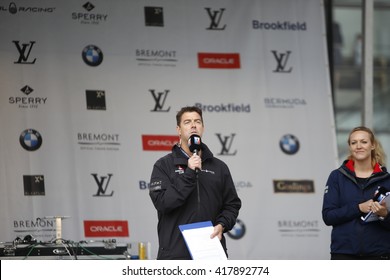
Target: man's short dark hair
188,109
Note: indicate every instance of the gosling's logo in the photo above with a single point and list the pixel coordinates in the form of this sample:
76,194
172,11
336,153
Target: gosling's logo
30,139
293,186
92,55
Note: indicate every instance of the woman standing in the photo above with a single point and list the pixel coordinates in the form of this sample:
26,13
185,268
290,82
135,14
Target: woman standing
349,195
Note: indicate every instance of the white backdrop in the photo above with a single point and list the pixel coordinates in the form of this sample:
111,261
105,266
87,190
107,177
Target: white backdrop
258,68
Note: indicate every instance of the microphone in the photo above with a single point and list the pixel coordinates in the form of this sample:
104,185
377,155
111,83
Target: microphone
194,143
380,194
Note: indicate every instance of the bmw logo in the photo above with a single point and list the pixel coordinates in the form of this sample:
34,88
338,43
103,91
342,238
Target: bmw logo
30,140
92,55
289,144
238,231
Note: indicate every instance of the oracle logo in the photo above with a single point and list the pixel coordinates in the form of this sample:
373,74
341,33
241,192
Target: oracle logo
106,229
159,142
219,60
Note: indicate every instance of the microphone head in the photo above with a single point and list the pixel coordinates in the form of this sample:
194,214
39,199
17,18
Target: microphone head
194,143
381,191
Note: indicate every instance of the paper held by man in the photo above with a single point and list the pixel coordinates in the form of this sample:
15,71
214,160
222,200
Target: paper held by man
199,243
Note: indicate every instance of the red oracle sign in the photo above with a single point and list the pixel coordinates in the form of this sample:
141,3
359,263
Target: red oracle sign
106,229
219,60
159,142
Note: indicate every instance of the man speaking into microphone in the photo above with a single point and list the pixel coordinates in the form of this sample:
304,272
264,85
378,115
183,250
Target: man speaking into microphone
190,185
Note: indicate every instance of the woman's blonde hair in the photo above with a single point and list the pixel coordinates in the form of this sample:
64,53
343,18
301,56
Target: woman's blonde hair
378,155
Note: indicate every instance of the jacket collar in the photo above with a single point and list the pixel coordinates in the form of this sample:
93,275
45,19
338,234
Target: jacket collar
350,164
180,158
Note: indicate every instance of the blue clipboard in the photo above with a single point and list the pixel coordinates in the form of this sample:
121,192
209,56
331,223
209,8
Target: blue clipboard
195,225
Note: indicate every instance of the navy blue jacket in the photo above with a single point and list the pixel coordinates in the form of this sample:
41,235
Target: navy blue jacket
351,235
181,196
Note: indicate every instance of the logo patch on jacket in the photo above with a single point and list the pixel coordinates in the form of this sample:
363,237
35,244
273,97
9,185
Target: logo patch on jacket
155,186
179,170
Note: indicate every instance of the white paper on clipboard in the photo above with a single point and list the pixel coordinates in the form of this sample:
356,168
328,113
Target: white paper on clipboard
199,243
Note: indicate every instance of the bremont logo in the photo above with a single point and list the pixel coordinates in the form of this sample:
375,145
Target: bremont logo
215,19
98,141
281,62
24,52
159,99
156,57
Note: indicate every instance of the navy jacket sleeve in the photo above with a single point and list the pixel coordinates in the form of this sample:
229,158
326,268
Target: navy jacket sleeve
338,207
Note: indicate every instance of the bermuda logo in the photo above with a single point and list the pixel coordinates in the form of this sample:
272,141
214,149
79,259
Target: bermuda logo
30,139
92,55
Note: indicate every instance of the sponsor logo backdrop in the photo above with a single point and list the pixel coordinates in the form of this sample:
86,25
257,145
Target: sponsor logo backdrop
88,97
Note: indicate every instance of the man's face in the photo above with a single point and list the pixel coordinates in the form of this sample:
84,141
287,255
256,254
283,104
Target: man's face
191,123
